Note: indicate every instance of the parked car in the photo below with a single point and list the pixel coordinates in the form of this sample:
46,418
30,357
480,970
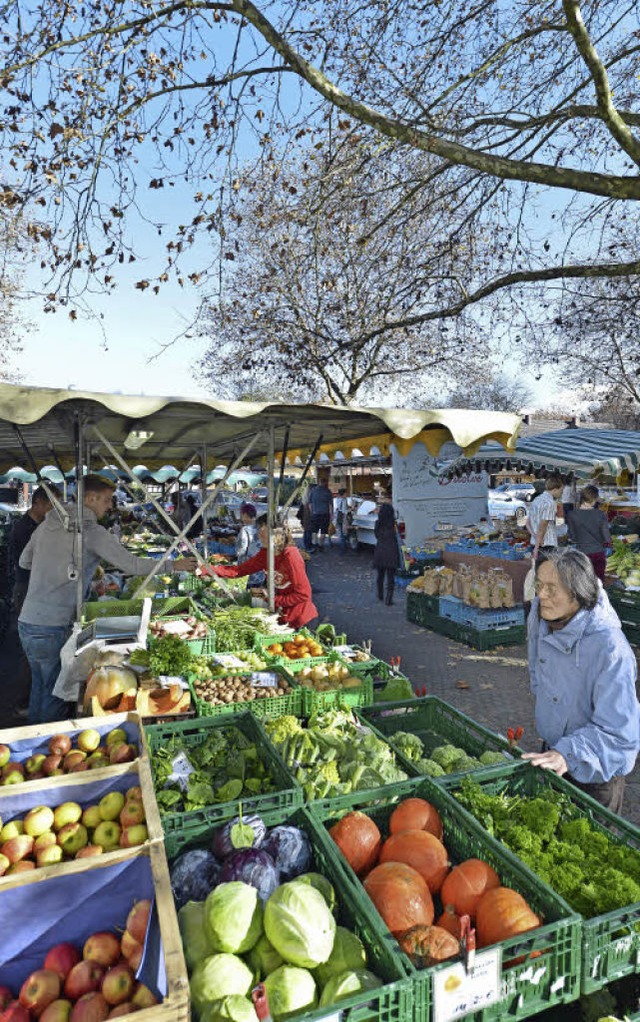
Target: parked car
521,491
502,505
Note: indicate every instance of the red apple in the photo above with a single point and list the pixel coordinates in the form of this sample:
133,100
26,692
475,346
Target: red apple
57,1011
132,813
62,958
118,984
6,995
59,745
44,841
89,851
78,768
40,989
51,763
134,793
24,866
17,848
50,856
90,1008
4,864
73,757
15,1012
122,1009
131,949
13,773
102,947
122,753
134,836
143,998
12,766
84,978
138,920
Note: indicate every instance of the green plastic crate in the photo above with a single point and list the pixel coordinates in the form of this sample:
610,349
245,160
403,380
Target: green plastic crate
125,608
555,946
392,1002
626,605
419,605
610,942
193,732
197,646
274,706
515,635
313,700
435,722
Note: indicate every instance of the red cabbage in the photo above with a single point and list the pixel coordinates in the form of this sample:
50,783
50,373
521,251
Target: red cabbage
237,834
290,849
193,875
252,866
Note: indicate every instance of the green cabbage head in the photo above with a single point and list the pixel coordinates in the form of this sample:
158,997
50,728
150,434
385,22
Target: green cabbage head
263,958
290,991
347,985
348,954
232,1008
299,924
194,938
217,976
233,917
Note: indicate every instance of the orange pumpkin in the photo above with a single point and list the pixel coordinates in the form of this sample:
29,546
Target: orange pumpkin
359,840
450,922
465,885
502,913
416,814
420,850
401,896
428,945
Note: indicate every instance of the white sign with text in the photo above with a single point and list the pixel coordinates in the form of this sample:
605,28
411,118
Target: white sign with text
423,498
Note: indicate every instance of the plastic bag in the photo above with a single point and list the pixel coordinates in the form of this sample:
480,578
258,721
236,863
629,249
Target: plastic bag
529,589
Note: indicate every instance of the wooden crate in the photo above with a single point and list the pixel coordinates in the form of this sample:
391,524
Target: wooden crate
16,800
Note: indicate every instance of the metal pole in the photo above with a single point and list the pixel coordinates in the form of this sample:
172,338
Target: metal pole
296,491
79,522
205,510
270,521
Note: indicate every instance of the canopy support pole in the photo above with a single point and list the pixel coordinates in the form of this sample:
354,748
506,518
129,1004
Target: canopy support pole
270,520
285,448
163,514
55,503
78,561
62,473
296,491
205,510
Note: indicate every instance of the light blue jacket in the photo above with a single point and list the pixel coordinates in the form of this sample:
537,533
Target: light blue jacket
583,678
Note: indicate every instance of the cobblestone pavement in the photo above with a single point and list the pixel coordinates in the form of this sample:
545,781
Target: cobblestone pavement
490,687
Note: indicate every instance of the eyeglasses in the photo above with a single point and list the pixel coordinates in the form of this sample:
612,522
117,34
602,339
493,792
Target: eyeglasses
551,588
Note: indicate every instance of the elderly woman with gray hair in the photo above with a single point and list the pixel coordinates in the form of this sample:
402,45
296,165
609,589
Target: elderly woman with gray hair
583,678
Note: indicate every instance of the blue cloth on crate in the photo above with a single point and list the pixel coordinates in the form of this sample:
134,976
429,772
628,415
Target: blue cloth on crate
71,908
22,748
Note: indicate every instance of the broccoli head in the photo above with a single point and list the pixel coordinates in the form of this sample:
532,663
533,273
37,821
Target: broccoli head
409,745
490,757
463,765
446,755
430,768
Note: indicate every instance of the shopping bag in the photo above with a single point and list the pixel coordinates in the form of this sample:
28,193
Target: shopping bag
530,584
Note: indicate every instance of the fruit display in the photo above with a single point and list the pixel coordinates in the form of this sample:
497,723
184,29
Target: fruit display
224,767
206,667
332,754
241,688
111,687
327,677
266,916
417,891
300,647
68,754
88,983
624,562
48,835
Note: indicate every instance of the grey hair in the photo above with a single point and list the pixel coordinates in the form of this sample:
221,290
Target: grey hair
576,574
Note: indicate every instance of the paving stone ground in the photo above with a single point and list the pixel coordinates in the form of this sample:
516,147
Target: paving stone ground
490,687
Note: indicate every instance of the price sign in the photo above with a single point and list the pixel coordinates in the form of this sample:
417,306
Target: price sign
457,992
264,679
181,770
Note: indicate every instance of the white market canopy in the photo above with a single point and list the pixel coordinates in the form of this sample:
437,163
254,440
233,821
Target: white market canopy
168,430
586,452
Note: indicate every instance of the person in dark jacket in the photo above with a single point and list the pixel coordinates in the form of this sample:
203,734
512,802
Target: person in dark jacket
386,556
589,530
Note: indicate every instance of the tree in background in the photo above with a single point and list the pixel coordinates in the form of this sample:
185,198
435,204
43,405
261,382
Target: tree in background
500,393
122,113
13,244
337,281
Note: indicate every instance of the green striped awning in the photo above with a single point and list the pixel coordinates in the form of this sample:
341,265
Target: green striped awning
582,451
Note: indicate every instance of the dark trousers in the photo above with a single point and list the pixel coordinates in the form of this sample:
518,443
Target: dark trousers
390,574
599,562
609,794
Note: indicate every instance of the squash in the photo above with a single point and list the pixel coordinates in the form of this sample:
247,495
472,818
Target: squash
428,945
416,814
420,850
359,840
502,913
450,922
465,885
400,895
108,684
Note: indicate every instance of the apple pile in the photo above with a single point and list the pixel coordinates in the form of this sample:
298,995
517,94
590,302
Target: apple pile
88,985
47,836
89,754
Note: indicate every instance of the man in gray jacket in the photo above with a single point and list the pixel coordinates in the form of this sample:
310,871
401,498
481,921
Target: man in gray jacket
49,608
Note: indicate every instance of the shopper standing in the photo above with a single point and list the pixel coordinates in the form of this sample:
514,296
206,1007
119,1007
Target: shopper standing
248,543
21,532
386,556
321,503
589,530
341,510
569,496
541,522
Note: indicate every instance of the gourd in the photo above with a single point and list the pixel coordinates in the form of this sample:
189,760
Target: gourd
108,684
358,838
503,913
400,895
465,885
416,814
428,945
420,850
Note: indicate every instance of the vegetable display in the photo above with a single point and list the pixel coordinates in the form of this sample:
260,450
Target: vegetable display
287,938
332,754
241,688
444,759
593,872
223,768
236,627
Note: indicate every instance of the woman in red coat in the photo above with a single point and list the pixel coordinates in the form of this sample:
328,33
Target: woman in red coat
292,588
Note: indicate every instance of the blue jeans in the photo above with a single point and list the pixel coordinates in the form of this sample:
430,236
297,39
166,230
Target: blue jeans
42,645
